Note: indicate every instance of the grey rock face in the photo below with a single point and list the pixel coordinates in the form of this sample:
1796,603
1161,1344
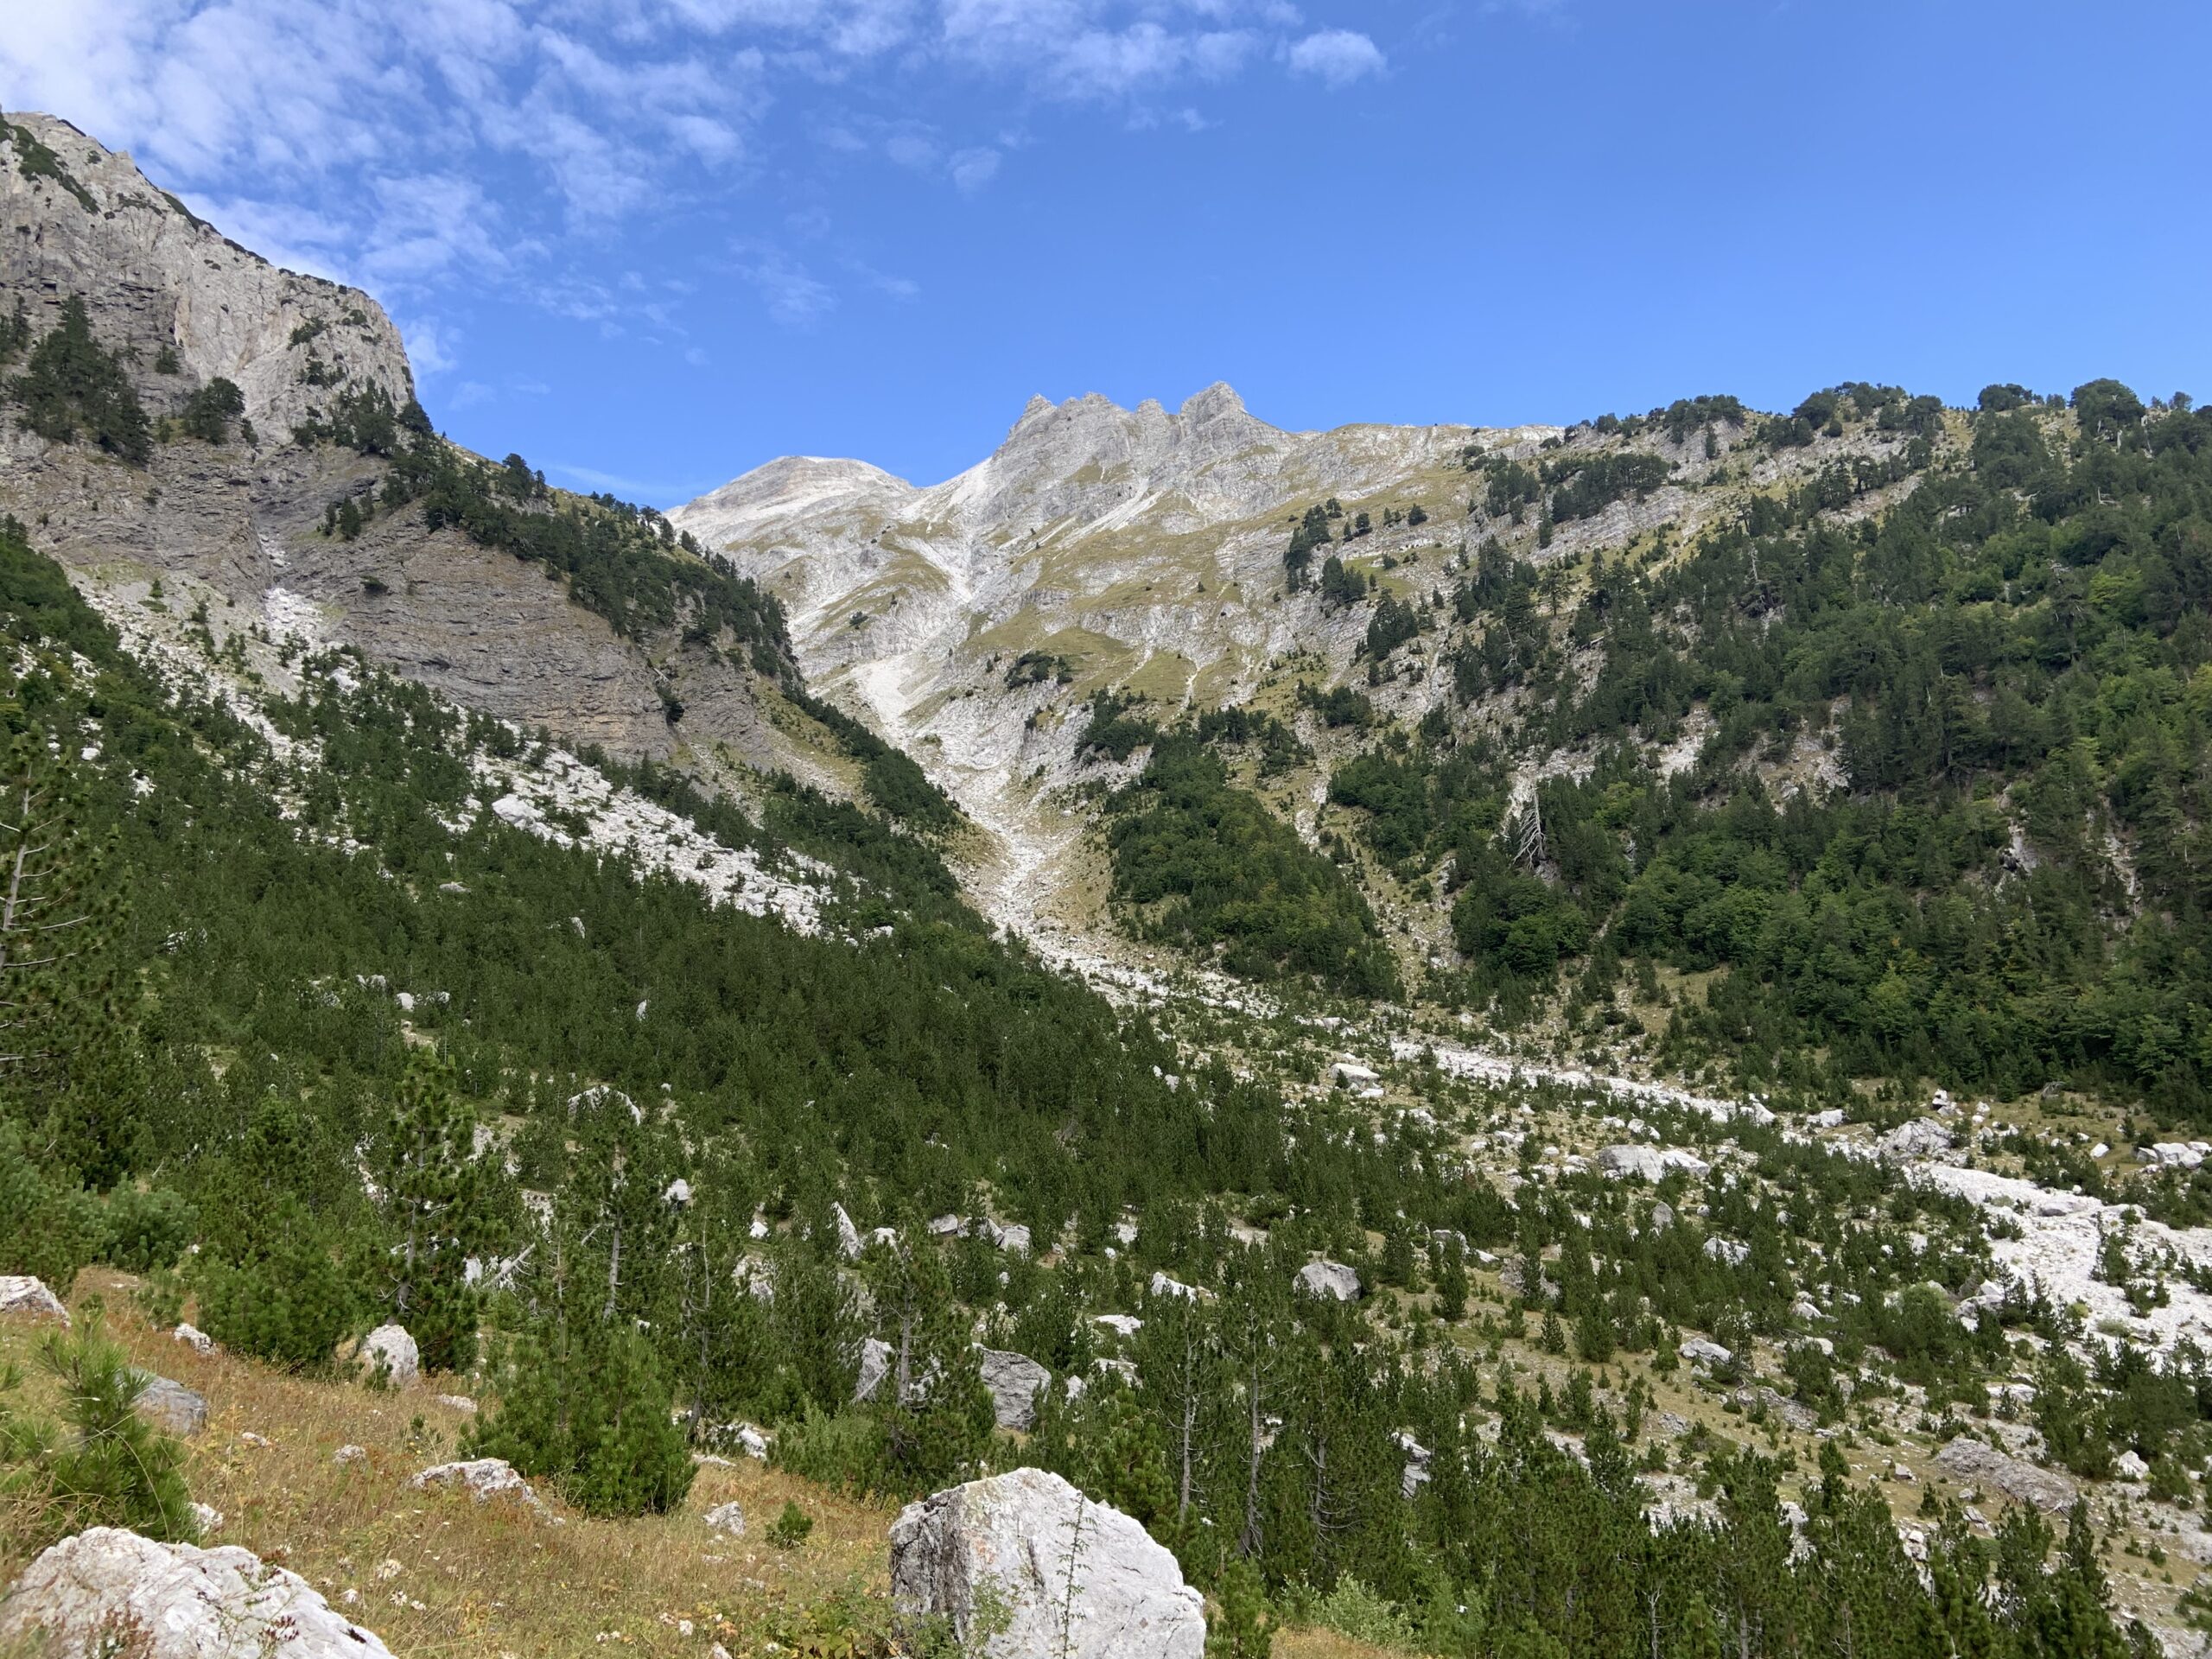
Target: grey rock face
171,1405
20,1294
475,623
1015,1382
194,1339
1075,1578
482,1479
875,1365
727,1518
170,1601
1968,1459
1700,1352
1633,1160
389,1351
1331,1278
1921,1138
153,276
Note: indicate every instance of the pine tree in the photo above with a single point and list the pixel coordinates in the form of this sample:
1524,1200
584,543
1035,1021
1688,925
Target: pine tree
71,382
430,1189
585,1403
69,1065
936,1413
108,1466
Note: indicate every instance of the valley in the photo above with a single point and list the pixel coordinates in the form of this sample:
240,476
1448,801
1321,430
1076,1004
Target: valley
1505,1041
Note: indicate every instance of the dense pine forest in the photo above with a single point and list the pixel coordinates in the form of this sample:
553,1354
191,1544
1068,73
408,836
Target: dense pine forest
608,1125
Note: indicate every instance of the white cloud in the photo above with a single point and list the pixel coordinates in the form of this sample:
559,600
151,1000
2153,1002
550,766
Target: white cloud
972,169
1338,56
430,345
794,297
422,150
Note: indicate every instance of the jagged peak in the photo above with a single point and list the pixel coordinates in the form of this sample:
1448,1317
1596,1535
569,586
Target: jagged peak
1216,400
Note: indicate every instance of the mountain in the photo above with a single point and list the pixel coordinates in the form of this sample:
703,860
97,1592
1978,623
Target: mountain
246,523
1636,1068
1487,711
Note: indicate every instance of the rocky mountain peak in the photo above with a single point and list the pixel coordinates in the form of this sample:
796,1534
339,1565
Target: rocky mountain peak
172,292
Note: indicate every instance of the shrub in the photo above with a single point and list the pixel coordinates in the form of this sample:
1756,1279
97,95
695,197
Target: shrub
285,1300
147,1231
790,1530
588,1408
105,1465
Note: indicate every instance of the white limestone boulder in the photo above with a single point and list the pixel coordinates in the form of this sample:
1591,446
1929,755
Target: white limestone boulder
107,1591
482,1479
1331,1278
20,1294
389,1352
1070,1578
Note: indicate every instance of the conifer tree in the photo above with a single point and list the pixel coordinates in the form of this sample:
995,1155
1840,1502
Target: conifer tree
69,1068
936,1416
430,1189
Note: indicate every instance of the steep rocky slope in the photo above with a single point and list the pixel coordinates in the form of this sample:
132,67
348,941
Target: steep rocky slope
1142,552
182,308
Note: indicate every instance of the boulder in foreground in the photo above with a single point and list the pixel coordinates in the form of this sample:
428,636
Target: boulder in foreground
20,1294
108,1592
1027,1564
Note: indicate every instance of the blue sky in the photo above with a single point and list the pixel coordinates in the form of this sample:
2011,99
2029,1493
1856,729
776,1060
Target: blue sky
653,242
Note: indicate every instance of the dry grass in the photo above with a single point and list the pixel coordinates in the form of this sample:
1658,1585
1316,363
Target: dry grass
439,1574
433,1573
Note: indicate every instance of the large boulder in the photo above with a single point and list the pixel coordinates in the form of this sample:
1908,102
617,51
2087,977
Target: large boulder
1028,1563
875,1365
1923,1137
389,1352
1976,1463
1331,1278
20,1294
1015,1382
107,1592
171,1405
1632,1160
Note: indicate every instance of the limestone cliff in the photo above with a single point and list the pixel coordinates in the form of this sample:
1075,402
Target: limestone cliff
239,524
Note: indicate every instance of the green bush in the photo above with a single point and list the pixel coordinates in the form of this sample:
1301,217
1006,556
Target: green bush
586,1408
790,1530
104,1465
149,1229
48,1227
286,1301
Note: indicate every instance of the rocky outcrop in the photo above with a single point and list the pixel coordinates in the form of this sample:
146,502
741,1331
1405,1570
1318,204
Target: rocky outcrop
1978,1463
171,1405
388,1355
23,1295
1016,1383
1925,1137
1630,1160
239,521
108,1592
1329,1279
1027,1561
875,1365
155,279
482,1479
726,1518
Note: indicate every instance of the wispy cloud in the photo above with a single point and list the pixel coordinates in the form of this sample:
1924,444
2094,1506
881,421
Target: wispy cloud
424,149
792,295
1336,56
